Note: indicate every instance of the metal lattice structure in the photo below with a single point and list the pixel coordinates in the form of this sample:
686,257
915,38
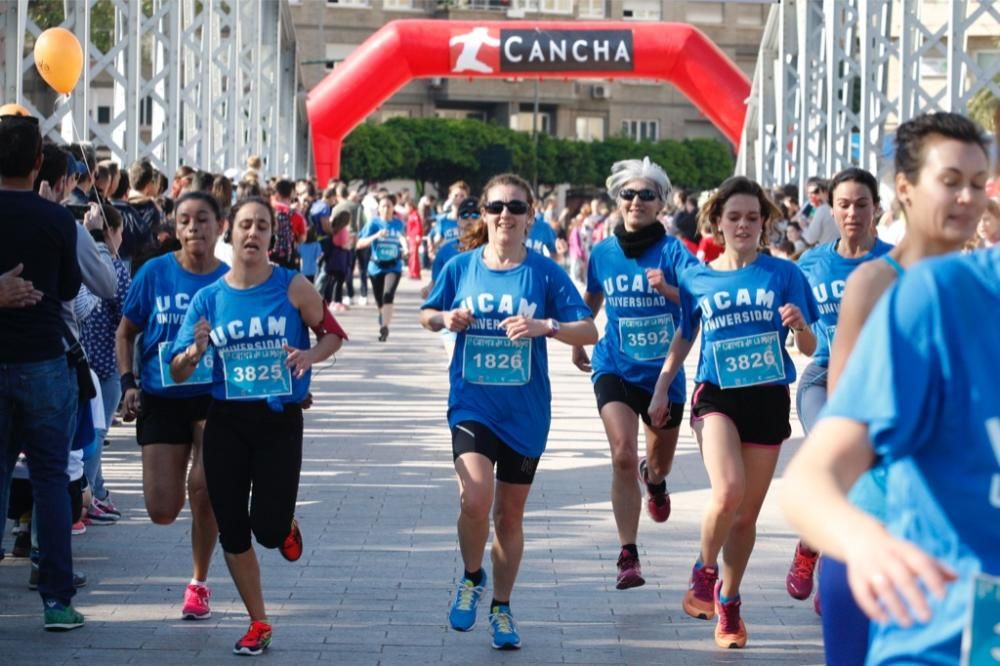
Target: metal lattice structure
835,77
199,82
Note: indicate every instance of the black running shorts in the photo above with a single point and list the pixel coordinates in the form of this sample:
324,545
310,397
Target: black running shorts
760,413
475,437
169,420
612,388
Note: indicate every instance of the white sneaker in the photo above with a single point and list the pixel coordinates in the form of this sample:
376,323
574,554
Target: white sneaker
346,300
363,300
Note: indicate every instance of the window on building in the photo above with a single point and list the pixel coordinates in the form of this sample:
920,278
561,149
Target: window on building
641,130
988,61
590,128
523,121
460,114
348,3
337,53
641,10
103,115
543,6
591,9
395,113
933,67
146,111
397,4
751,15
706,13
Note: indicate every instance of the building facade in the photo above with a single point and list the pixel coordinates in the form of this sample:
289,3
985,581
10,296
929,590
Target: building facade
327,31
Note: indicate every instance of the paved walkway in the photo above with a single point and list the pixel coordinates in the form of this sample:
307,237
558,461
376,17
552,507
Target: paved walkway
377,505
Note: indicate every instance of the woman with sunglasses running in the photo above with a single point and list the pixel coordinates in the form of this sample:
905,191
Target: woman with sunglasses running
634,273
386,235
502,300
252,324
744,304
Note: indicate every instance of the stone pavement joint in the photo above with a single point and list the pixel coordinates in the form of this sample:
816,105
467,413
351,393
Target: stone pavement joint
377,505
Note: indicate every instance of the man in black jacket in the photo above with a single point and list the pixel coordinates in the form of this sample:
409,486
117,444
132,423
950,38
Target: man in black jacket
38,389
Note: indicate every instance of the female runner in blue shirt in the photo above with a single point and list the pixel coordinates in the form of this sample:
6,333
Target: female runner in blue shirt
503,301
386,235
941,172
854,196
634,274
253,324
170,418
744,304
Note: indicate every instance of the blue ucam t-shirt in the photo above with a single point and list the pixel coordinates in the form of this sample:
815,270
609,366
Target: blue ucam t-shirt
926,386
541,238
444,229
500,383
641,322
448,250
388,249
827,273
249,329
156,303
742,338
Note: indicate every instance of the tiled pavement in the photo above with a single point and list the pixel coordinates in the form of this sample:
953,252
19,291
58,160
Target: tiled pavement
377,503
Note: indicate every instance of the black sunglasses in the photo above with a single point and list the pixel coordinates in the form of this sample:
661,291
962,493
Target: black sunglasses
474,215
644,195
515,206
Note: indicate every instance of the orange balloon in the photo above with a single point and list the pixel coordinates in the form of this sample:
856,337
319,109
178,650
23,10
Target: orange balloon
59,59
13,109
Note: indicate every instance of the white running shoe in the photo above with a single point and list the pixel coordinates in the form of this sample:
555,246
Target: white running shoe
363,300
346,300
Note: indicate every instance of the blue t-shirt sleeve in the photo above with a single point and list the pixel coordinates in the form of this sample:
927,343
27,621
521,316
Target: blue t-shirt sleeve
563,300
690,312
443,293
675,260
439,261
801,295
185,336
593,282
138,301
887,382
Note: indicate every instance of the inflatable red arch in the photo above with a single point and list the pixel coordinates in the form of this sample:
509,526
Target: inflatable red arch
412,49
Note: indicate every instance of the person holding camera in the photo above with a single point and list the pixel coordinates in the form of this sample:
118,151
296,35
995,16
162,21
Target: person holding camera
37,390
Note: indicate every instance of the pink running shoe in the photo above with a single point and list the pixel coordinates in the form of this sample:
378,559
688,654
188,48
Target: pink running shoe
658,501
799,581
629,571
196,603
699,601
730,632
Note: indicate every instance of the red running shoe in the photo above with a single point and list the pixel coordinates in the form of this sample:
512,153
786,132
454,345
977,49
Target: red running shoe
291,547
255,641
799,581
698,600
657,500
196,603
629,571
730,632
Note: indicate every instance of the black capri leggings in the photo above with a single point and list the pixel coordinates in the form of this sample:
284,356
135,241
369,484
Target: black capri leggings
384,287
252,457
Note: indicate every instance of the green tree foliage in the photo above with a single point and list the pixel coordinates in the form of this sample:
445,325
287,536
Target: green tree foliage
440,151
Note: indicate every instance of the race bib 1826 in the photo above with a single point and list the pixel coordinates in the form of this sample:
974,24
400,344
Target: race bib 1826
496,360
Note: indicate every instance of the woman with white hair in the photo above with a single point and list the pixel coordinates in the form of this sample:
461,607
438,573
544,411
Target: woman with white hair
634,274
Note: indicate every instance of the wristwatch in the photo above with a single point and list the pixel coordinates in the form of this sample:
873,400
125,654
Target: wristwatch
553,328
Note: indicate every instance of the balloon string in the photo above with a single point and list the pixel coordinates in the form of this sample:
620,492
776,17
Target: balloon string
93,180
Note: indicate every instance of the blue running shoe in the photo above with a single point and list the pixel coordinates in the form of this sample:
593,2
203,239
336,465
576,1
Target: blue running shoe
463,610
503,629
